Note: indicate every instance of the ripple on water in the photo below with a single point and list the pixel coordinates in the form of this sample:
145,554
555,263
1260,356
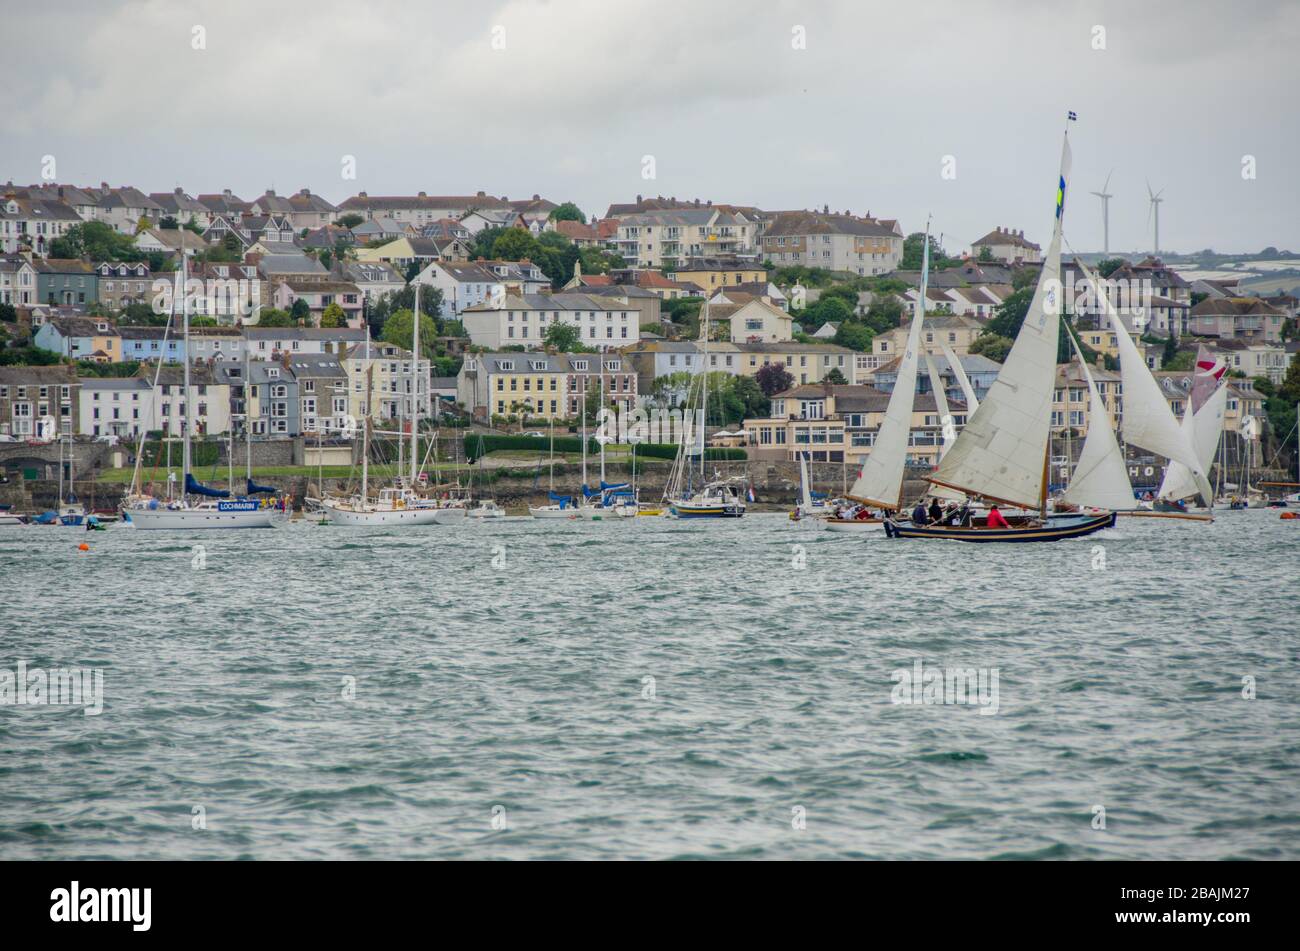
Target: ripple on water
653,690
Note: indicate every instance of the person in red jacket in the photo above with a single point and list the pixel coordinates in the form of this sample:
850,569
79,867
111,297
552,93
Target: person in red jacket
995,518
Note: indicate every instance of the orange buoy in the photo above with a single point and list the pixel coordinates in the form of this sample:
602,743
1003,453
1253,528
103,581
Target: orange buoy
1289,515
83,547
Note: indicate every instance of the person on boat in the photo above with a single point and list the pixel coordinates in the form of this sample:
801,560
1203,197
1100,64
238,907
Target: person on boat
936,512
919,515
995,519
964,515
863,514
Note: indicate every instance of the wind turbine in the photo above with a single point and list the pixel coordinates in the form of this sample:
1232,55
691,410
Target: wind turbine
1154,208
1105,214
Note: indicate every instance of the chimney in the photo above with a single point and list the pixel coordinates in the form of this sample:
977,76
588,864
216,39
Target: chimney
177,190
638,199
826,209
284,359
271,192
226,193
481,195
537,197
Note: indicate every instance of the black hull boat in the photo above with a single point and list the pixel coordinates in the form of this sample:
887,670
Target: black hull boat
1055,529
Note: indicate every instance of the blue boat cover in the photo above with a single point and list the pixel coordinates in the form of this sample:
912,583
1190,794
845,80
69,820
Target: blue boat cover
255,489
194,487
564,500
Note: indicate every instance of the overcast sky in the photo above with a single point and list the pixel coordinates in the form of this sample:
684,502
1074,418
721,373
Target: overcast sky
714,90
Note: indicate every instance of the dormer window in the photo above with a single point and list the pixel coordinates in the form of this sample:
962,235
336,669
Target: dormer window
507,364
580,365
273,373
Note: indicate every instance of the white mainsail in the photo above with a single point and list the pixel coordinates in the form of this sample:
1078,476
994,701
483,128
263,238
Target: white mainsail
947,426
881,480
1002,451
1148,421
972,402
1207,404
1100,479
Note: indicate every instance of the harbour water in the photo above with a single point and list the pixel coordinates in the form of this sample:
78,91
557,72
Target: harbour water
654,689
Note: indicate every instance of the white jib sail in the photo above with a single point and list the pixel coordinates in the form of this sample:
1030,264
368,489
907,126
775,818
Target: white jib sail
881,480
1002,449
805,486
1148,420
1101,478
968,391
1205,427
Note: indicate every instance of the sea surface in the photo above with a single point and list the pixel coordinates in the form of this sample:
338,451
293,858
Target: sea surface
654,689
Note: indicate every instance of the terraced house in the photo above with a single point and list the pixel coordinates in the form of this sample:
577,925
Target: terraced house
420,209
513,384
29,395
65,281
123,283
33,222
17,281
80,338
837,242
523,319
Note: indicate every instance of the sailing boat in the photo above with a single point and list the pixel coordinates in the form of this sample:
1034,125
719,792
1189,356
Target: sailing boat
71,512
397,504
1207,403
209,508
1148,422
1001,453
717,498
1100,478
811,504
880,483
561,506
610,499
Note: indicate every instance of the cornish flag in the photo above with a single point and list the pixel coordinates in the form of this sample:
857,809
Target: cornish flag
749,491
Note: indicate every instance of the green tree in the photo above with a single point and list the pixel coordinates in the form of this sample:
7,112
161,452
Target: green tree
1181,360
992,346
855,336
1010,314
567,211
885,312
350,220
756,403
565,338
1170,351
300,309
985,256
828,309
1290,388
1108,266
835,377
1023,277
333,316
274,317
398,330
914,245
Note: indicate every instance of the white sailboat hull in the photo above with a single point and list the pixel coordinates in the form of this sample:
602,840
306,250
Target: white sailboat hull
449,516
165,518
553,511
363,518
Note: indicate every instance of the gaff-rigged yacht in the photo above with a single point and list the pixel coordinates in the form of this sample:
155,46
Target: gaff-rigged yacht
1002,453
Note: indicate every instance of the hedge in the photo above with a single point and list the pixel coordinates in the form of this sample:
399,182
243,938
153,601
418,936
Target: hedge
201,453
484,444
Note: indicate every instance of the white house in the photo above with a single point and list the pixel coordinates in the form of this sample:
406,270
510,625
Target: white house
117,406
523,319
470,284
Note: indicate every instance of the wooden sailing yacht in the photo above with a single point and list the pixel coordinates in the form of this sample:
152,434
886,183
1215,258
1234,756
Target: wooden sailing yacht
1001,454
199,506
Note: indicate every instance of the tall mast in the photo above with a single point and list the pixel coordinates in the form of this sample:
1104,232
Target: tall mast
704,377
185,354
248,416
602,406
365,437
415,387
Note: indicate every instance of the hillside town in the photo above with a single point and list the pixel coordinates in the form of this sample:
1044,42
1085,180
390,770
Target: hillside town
534,313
